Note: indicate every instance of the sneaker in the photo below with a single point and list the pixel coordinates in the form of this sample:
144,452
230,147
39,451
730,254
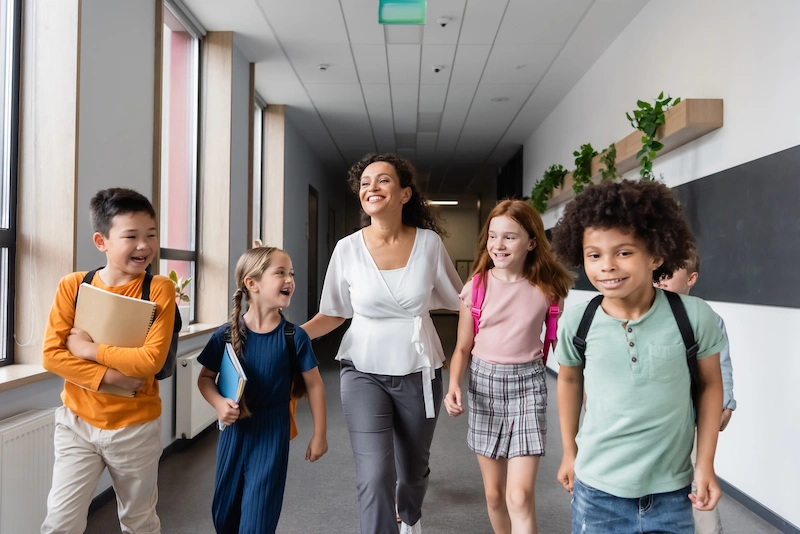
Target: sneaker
408,529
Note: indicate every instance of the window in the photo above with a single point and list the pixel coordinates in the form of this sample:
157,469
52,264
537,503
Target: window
179,116
258,172
9,97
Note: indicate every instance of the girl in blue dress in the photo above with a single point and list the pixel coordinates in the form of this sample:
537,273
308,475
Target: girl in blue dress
253,449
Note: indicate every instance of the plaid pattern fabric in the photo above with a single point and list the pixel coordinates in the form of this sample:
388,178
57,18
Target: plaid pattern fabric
507,409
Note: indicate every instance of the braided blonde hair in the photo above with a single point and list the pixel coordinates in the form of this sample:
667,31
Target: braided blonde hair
252,264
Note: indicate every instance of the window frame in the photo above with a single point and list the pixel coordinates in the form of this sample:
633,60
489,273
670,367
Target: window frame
8,237
259,108
167,253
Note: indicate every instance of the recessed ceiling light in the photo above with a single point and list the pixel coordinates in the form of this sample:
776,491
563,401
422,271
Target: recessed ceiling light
500,99
323,66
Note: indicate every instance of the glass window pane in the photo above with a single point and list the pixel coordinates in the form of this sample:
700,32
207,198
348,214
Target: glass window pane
184,270
5,304
178,135
258,147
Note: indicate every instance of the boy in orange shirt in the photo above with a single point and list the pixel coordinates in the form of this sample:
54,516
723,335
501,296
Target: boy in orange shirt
96,430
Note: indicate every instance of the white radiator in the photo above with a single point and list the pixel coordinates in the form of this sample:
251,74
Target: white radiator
192,413
26,470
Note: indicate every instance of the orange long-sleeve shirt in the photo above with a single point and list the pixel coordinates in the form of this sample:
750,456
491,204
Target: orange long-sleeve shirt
83,377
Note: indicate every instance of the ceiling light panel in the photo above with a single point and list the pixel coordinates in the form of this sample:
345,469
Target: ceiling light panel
403,63
379,108
402,11
404,105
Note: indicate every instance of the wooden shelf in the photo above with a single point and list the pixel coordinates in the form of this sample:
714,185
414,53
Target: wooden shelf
692,118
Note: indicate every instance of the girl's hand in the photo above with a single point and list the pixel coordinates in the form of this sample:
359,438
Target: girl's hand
316,448
227,411
81,345
566,473
452,401
708,491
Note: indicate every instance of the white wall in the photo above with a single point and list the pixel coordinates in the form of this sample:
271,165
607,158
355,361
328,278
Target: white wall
303,168
461,223
748,54
240,138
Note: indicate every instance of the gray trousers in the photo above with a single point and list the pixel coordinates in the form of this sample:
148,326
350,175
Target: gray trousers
391,440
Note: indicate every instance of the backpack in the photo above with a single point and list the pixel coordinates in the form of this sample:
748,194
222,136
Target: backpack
479,294
685,327
172,355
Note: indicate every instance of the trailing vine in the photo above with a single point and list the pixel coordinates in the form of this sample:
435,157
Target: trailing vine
582,175
647,119
609,158
552,178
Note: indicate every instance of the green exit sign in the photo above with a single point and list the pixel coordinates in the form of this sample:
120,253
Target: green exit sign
402,11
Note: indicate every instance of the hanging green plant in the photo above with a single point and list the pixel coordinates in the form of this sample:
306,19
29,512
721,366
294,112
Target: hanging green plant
582,175
609,159
552,178
647,119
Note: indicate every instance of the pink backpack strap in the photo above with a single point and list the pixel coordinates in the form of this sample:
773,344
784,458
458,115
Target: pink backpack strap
552,329
478,294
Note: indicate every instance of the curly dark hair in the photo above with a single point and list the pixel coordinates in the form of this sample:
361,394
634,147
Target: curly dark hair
416,212
648,209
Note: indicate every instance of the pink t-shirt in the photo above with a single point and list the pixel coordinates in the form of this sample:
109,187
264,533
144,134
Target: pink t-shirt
511,323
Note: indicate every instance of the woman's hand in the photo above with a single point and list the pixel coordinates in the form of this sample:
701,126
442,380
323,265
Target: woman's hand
316,448
452,401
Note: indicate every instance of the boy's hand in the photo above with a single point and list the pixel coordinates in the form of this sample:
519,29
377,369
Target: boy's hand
708,490
316,448
116,378
566,473
81,345
725,419
452,401
227,411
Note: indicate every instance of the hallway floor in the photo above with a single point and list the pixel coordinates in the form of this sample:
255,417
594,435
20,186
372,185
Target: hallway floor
321,497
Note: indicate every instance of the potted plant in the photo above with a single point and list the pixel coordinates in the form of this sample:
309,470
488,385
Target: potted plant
181,298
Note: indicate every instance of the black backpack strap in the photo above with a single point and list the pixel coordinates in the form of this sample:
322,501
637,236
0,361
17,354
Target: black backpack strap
148,279
579,341
87,279
288,332
685,327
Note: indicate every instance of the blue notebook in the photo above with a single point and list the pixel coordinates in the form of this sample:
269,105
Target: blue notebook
231,379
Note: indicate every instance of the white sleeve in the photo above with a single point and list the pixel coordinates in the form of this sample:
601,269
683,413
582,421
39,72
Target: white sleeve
335,300
447,284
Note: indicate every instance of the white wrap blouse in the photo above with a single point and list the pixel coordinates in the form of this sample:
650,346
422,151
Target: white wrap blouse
392,332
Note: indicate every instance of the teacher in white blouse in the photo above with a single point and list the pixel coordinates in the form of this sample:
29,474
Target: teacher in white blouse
388,276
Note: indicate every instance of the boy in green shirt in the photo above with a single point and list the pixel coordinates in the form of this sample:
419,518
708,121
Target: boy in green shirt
629,468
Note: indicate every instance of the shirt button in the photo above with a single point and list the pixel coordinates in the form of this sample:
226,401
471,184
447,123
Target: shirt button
633,359
630,329
631,343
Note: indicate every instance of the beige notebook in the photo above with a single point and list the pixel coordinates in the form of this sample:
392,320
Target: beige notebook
115,320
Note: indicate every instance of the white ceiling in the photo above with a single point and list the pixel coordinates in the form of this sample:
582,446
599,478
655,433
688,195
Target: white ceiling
379,91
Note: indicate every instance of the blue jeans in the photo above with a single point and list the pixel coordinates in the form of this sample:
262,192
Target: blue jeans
597,512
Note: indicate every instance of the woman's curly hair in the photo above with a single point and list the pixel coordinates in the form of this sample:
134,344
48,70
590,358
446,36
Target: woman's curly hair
416,212
648,209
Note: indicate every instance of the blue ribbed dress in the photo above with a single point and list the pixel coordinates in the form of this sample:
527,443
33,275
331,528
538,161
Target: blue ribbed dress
253,453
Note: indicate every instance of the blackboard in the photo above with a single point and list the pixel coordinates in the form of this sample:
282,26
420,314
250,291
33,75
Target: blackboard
747,223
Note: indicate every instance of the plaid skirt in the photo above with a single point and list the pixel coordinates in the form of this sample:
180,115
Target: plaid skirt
507,409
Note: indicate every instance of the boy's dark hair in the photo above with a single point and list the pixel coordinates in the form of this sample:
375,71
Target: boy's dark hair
109,203
646,208
693,263
416,212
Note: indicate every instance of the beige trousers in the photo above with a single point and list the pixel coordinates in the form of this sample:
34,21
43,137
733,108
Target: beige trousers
131,455
704,522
